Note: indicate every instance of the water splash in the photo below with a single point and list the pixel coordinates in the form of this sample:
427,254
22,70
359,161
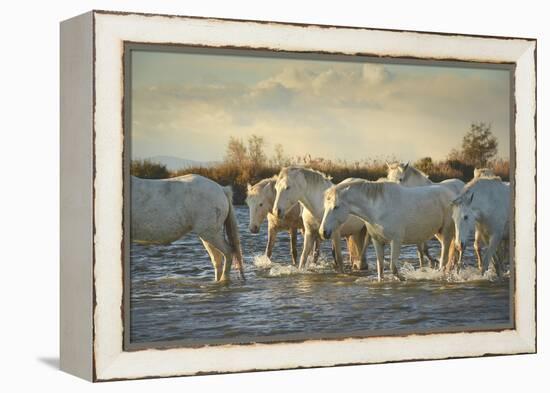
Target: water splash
276,269
409,272
262,261
174,295
471,273
467,274
388,277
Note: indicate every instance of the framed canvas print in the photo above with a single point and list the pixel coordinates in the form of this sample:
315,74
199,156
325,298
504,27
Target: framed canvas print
246,195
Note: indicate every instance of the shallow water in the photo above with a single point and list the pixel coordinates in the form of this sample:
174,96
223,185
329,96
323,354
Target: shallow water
174,297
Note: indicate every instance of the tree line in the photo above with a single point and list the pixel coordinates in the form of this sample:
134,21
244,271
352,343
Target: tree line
247,162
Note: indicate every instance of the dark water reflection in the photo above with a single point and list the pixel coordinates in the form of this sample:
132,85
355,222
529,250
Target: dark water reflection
174,297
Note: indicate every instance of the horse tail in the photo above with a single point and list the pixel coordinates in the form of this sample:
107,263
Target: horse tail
232,232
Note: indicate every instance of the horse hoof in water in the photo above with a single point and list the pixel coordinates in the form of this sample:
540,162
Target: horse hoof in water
398,275
359,268
223,279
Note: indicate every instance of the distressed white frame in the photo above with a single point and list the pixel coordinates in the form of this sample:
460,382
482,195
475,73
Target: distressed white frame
111,30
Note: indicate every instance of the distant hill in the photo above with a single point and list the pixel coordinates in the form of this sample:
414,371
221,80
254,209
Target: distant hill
174,163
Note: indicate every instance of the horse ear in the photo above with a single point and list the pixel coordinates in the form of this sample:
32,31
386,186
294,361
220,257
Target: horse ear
406,165
388,164
458,200
248,186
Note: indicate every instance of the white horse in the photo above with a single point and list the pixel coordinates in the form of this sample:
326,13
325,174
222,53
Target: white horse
393,214
260,200
409,176
307,186
484,204
165,210
479,172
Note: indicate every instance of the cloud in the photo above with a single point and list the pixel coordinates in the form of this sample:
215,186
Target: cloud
374,74
352,111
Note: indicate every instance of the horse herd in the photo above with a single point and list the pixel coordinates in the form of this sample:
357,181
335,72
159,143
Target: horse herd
406,207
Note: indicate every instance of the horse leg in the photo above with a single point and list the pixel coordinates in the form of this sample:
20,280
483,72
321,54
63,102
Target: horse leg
309,239
379,249
445,245
316,249
395,251
358,244
216,257
432,259
498,257
502,254
505,252
218,241
489,252
364,263
338,251
477,250
271,237
420,252
496,263
459,261
293,240
352,251
451,259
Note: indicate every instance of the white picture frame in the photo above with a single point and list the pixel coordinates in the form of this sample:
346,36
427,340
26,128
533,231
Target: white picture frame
92,194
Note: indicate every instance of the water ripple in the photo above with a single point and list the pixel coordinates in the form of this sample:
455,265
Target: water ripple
173,295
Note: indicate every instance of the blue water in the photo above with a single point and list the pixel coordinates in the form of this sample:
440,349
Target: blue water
174,296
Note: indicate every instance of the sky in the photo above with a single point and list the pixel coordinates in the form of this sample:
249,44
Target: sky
188,105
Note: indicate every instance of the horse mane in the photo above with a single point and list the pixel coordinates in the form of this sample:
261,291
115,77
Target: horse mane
474,182
397,165
312,176
373,189
256,188
484,179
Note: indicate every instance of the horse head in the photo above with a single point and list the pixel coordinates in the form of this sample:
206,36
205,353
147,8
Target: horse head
289,187
336,210
464,217
260,200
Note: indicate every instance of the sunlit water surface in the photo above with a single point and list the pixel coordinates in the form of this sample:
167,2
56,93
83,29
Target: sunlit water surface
174,296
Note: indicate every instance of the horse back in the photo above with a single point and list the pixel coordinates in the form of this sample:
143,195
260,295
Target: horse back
164,210
455,185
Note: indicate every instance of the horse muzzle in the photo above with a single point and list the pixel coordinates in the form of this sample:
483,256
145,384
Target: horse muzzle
254,228
326,234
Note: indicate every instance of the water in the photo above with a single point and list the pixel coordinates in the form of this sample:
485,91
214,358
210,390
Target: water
174,296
